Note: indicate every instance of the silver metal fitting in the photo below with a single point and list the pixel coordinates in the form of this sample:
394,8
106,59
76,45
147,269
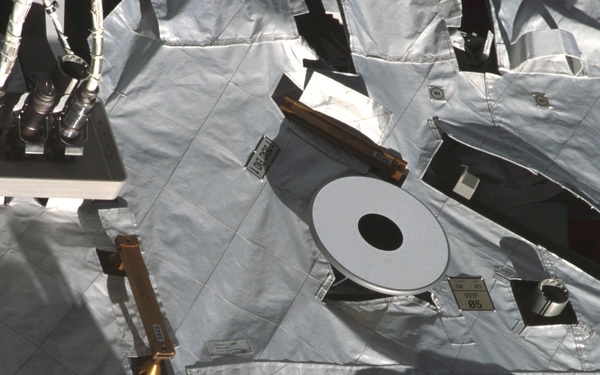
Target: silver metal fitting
541,100
436,93
79,109
550,298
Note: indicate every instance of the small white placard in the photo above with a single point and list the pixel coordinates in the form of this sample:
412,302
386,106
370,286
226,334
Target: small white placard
262,157
471,294
228,348
158,333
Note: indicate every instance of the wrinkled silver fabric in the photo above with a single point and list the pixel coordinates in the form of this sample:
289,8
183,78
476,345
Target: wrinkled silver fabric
547,36
188,90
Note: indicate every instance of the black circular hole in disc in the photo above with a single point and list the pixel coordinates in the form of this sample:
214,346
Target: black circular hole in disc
380,232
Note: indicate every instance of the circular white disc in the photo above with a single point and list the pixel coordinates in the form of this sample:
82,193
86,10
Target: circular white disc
412,268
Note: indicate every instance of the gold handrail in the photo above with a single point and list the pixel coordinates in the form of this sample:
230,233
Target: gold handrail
346,137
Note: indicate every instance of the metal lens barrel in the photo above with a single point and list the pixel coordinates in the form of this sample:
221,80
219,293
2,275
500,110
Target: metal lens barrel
79,108
38,106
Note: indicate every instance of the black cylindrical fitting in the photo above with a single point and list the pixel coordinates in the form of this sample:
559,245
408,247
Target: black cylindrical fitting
37,107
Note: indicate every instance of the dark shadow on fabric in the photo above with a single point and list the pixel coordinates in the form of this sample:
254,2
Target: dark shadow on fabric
286,87
90,221
326,36
301,167
65,337
149,23
524,258
142,49
306,161
459,367
384,371
117,293
573,12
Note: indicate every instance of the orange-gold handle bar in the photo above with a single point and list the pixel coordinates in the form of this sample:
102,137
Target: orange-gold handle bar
346,137
145,299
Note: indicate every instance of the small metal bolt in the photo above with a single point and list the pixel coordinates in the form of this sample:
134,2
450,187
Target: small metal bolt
541,100
436,93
